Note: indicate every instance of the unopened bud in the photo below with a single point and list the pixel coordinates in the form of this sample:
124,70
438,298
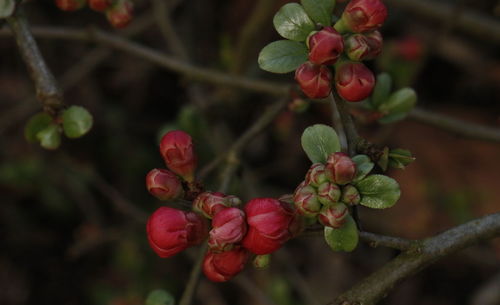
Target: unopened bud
228,228
354,81
315,81
70,5
210,203
328,193
306,200
221,267
364,15
99,5
334,215
325,46
340,168
350,195
120,14
176,148
364,46
163,184
262,261
316,175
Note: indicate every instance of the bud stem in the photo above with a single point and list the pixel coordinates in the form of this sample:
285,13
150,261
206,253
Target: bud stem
341,27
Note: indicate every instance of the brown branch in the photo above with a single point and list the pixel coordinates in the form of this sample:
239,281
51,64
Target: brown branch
376,240
420,255
47,89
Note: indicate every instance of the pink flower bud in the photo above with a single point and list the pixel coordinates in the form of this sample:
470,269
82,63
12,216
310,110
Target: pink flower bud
325,46
350,195
120,14
340,168
270,224
176,148
316,175
228,228
221,267
70,5
354,81
315,81
364,46
99,5
328,193
210,203
163,184
306,200
364,15
170,231
334,215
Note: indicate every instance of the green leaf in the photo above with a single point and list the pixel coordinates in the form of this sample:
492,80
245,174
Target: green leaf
383,161
320,11
343,239
400,158
77,121
381,90
160,297
36,123
363,166
319,141
292,22
378,191
49,137
7,8
399,104
282,56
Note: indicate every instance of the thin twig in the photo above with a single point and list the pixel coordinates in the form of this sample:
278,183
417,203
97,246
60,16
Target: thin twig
348,124
337,123
376,240
47,89
194,277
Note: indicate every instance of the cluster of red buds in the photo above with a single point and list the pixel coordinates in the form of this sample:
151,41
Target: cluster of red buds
118,12
235,234
354,38
325,194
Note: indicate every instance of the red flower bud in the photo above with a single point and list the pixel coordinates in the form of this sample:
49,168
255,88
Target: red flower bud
306,200
328,193
221,267
120,14
210,203
354,81
340,169
364,46
334,215
70,5
228,228
315,81
325,46
316,175
163,184
270,224
176,147
170,230
364,15
99,5
350,195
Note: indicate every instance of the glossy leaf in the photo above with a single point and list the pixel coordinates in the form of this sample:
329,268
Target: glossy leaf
36,123
400,158
378,191
343,239
320,11
319,141
77,121
292,22
282,56
381,90
363,166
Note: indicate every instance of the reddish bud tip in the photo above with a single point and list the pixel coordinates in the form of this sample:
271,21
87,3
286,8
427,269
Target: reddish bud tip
99,5
163,184
306,200
70,5
328,193
228,228
364,15
176,148
340,168
334,215
354,81
316,175
270,224
211,203
315,81
364,46
221,267
170,231
325,46
120,14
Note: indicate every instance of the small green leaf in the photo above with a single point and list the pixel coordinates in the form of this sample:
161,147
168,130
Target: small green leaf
49,137
319,141
399,104
7,8
363,166
378,191
77,121
292,22
282,56
381,90
36,123
383,161
160,297
320,11
400,158
343,239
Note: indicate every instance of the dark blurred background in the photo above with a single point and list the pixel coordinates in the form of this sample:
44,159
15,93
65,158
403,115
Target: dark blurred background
71,220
